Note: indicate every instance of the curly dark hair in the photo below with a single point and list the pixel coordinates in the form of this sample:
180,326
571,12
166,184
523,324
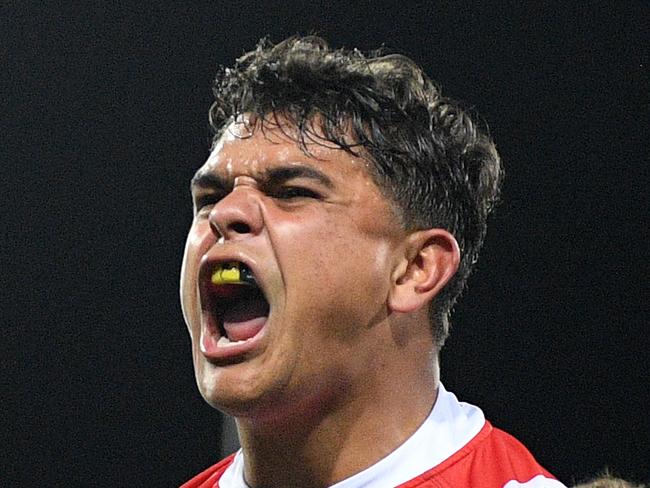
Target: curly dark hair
437,166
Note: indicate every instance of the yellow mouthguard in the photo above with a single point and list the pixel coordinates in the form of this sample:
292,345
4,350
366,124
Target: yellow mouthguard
227,274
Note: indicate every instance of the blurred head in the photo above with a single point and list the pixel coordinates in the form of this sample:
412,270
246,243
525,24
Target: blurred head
608,481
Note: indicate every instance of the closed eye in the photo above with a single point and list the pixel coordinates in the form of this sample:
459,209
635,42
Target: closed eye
292,192
204,201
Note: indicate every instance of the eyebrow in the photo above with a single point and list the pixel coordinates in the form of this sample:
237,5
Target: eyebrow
277,175
203,179
281,174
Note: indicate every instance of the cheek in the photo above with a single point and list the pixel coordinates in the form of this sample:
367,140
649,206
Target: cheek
350,250
195,247
346,272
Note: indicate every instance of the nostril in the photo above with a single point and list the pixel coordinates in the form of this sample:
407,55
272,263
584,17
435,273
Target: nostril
240,228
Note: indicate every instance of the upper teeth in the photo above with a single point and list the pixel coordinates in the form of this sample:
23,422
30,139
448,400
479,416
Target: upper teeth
232,273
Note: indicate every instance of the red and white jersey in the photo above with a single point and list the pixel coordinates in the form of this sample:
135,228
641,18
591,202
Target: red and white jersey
454,447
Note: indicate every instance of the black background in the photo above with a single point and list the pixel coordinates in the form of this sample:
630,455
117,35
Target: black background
104,120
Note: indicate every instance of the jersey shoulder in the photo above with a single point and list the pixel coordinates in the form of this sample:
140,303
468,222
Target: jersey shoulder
492,459
210,477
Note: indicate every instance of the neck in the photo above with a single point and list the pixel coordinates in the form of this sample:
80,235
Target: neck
336,436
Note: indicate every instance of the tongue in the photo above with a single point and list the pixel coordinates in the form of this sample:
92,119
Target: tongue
244,318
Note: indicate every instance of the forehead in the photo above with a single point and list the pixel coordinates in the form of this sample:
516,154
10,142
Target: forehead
249,150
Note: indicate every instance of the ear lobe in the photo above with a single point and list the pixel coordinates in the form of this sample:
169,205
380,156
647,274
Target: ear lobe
431,259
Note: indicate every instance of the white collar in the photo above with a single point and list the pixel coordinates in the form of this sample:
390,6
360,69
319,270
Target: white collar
450,426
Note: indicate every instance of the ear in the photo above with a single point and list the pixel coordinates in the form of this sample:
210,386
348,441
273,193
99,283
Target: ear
431,258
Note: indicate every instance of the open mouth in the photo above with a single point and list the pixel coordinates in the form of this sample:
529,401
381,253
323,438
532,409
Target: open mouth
237,304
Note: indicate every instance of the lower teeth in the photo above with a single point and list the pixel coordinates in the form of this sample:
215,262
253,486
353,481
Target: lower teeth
225,342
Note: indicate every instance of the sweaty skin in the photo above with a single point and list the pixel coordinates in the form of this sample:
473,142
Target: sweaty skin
343,368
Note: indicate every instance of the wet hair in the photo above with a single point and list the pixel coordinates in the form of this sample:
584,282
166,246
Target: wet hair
437,166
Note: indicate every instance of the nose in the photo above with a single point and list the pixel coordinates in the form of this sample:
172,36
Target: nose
237,215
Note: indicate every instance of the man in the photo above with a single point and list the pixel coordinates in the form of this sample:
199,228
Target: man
335,223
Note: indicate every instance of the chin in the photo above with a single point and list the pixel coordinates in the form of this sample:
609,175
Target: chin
236,390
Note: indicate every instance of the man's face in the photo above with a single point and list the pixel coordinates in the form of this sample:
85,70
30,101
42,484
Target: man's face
322,243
